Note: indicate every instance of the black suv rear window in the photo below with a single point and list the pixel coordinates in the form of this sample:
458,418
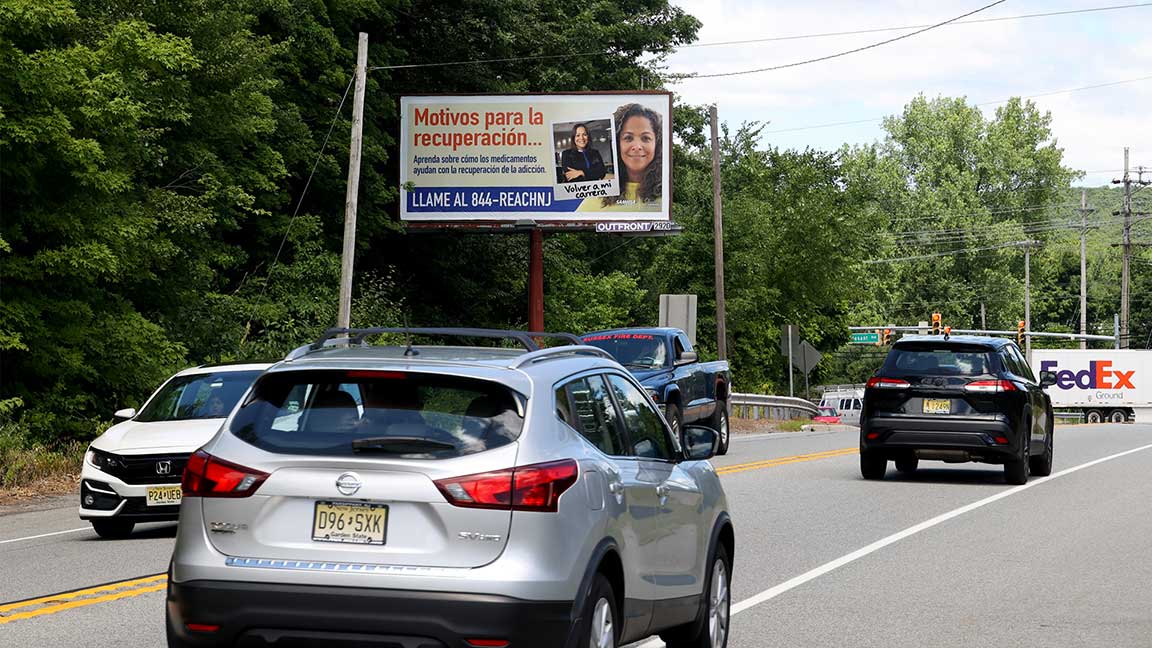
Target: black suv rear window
385,413
939,360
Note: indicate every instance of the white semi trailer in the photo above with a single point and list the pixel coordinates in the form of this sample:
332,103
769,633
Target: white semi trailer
1104,385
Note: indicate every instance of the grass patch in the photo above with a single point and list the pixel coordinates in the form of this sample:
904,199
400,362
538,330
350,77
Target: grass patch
755,426
31,468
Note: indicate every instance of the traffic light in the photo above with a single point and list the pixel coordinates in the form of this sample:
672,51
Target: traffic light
886,338
935,323
1020,333
879,337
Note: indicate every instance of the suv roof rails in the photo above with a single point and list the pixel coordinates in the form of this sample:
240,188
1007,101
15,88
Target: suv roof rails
557,352
355,336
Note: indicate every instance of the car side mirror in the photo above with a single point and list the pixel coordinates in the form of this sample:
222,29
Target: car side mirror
1047,378
688,357
700,442
123,415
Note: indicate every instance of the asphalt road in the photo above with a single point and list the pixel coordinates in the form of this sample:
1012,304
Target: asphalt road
950,556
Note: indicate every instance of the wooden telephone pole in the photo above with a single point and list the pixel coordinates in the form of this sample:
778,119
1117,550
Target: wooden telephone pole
344,317
718,232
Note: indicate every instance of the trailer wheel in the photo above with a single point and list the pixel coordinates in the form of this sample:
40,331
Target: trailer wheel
1117,416
1093,416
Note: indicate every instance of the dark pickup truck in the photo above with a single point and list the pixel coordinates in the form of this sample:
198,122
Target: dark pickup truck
663,361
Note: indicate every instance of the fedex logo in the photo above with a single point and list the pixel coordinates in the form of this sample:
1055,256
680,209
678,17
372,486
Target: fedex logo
1098,375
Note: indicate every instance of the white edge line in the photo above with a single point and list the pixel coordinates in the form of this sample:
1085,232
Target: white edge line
45,535
813,574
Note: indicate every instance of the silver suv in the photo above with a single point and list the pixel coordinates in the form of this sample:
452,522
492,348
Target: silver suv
450,497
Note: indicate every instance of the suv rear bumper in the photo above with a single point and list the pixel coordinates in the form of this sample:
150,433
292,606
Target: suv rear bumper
259,614
959,439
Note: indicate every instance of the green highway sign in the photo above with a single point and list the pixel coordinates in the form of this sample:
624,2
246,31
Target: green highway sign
865,338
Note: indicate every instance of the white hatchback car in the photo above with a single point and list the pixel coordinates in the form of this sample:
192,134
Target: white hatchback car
132,472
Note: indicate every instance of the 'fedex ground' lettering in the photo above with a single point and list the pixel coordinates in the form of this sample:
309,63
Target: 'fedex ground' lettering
1098,375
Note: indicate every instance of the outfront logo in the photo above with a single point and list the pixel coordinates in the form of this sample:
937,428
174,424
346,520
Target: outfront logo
1098,375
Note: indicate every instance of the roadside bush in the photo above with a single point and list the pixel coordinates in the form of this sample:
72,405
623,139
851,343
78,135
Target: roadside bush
24,463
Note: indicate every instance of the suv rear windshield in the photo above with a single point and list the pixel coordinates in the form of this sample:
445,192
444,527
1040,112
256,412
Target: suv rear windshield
386,413
939,360
200,396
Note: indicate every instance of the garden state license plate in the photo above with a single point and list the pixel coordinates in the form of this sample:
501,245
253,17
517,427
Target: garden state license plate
937,406
351,522
163,495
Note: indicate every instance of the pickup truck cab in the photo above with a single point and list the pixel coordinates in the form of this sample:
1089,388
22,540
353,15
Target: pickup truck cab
689,392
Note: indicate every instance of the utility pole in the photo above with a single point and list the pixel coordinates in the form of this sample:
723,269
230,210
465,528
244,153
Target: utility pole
1028,299
718,231
1084,211
1125,272
344,317
1127,243
983,315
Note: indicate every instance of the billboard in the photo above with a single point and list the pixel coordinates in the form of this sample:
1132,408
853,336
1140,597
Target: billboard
555,157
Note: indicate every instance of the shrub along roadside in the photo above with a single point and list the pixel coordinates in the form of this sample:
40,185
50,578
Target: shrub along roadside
29,468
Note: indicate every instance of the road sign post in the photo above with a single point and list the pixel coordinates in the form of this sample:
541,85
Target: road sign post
865,338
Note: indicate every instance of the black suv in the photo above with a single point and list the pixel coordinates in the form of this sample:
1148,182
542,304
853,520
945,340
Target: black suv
956,399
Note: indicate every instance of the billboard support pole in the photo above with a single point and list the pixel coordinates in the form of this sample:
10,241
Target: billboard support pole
344,316
536,280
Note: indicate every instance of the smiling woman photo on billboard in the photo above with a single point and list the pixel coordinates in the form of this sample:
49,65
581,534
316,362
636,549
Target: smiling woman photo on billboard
639,163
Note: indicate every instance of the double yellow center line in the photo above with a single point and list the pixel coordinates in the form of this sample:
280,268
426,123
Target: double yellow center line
781,461
54,603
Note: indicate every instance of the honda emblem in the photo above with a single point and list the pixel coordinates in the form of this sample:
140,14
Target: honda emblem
164,467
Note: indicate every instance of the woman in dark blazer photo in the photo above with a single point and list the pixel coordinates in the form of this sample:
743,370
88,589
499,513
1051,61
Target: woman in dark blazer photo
581,162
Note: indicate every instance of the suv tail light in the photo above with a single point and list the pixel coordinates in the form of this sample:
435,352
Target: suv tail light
990,386
886,383
528,488
208,476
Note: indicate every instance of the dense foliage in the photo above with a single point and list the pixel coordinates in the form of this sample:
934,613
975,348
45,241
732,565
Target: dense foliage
173,178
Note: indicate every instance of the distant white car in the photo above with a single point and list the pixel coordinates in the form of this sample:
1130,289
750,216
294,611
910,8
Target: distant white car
132,472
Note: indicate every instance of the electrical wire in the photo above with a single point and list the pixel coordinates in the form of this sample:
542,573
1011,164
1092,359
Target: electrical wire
296,211
983,103
846,52
546,57
907,27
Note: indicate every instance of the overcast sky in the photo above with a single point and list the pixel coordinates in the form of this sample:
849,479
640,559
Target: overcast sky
985,62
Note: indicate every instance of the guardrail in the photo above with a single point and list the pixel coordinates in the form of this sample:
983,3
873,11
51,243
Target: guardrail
1075,417
775,408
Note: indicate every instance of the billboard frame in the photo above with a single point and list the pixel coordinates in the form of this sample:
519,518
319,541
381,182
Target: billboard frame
545,224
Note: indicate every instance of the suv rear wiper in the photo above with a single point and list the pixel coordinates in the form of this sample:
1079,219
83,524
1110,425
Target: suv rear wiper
399,444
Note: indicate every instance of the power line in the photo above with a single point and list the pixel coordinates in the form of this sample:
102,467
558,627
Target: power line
846,52
983,103
296,211
907,27
943,254
546,57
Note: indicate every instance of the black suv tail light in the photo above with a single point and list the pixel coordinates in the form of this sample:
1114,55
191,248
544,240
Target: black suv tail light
990,386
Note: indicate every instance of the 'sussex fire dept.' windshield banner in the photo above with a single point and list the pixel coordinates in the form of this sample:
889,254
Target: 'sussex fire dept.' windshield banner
555,157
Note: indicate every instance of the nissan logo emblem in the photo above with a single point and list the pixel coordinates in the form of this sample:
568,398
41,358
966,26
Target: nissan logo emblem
164,467
348,483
